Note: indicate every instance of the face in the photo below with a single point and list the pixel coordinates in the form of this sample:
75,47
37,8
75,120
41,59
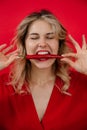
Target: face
41,39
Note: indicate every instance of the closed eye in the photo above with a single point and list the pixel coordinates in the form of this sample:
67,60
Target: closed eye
34,38
50,37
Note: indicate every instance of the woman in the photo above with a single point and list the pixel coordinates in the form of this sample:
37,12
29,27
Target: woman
42,93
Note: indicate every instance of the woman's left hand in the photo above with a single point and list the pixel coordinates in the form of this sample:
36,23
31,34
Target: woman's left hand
80,62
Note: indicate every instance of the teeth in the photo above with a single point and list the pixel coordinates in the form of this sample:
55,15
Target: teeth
43,53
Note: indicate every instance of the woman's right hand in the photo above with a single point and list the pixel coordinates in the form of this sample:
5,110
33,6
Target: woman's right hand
6,56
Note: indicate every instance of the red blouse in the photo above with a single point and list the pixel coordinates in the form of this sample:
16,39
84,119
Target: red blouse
17,112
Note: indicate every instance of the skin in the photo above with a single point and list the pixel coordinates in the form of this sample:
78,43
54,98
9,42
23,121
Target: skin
41,74
80,56
80,64
7,56
41,37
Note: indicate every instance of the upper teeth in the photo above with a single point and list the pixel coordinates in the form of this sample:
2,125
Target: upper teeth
43,53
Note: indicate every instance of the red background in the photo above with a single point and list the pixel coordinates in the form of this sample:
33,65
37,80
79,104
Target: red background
72,14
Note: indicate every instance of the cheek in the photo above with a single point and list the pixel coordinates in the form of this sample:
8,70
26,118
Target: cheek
55,47
28,47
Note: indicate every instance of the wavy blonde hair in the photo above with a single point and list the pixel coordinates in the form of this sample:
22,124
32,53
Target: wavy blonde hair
20,73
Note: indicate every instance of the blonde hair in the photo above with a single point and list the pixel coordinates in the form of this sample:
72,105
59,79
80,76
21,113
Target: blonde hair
21,71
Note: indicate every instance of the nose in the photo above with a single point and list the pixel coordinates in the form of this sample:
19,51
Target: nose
42,42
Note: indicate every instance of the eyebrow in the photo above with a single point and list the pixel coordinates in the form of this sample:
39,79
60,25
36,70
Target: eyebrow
50,33
33,34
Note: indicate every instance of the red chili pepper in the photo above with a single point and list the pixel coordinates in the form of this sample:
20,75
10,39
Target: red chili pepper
43,56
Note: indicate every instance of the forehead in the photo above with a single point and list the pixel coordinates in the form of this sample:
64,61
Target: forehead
40,26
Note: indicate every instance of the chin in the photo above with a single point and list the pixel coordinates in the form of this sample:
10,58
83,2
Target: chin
43,64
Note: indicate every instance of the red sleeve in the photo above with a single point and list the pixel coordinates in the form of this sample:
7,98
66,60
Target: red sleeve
78,86
5,89
79,79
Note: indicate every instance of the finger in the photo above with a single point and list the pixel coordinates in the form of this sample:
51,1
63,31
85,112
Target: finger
75,43
2,46
84,45
7,49
12,59
70,55
12,53
68,61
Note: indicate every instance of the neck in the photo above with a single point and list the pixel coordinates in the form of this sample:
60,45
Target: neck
41,76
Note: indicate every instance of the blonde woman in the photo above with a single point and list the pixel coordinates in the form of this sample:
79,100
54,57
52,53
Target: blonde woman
41,92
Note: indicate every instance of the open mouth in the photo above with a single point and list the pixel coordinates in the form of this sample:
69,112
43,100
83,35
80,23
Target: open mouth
43,55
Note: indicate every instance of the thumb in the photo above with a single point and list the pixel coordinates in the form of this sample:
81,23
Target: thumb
68,61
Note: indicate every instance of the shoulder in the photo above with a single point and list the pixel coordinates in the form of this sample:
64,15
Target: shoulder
5,88
78,85
78,78
4,77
